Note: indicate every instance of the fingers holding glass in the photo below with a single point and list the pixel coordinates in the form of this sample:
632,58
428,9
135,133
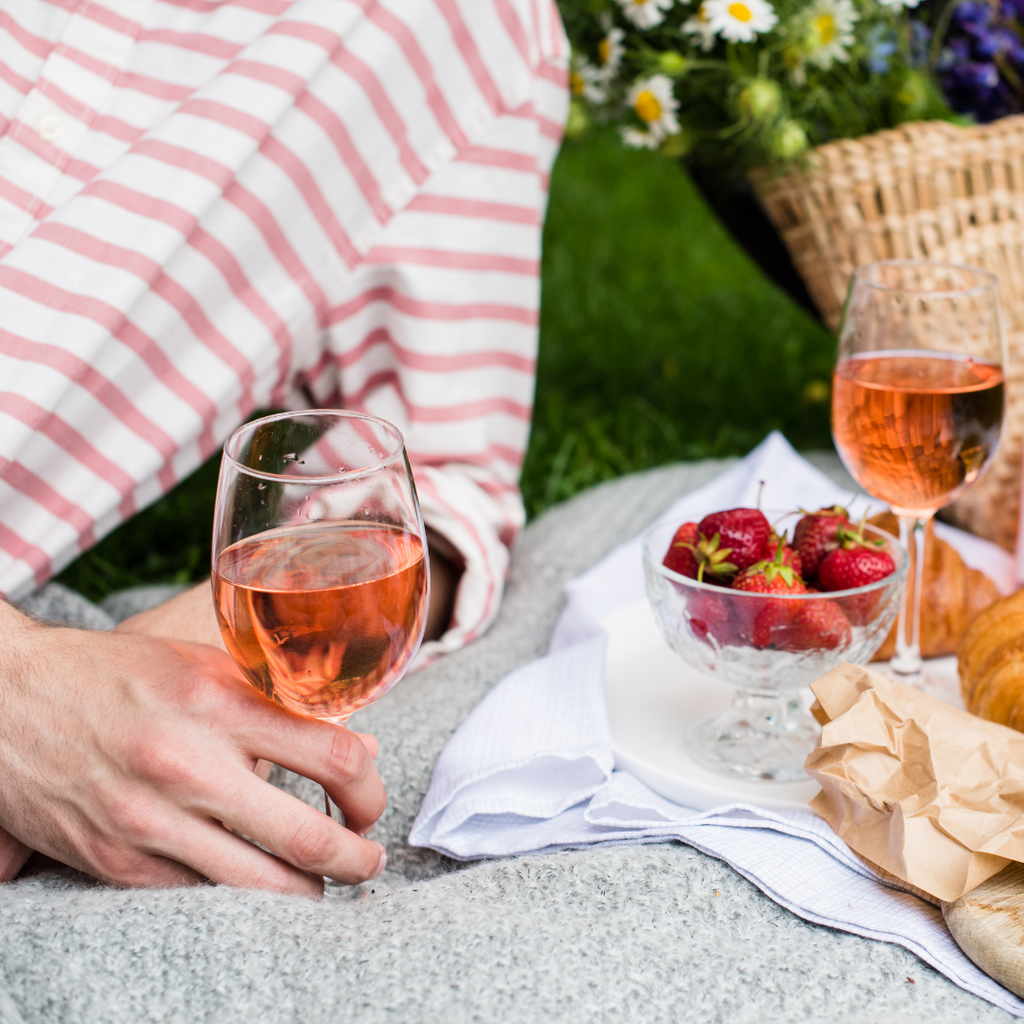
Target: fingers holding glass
13,855
340,760
300,836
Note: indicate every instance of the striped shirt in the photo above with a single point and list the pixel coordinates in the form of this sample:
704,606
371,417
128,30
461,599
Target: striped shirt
212,206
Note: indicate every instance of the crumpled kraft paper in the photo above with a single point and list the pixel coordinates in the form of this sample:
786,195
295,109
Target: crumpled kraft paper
929,793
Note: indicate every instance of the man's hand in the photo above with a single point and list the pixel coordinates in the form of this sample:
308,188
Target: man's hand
131,759
13,855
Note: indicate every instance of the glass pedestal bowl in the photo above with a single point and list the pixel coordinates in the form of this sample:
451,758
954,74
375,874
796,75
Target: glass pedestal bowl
769,647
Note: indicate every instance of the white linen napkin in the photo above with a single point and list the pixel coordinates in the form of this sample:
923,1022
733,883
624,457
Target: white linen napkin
532,767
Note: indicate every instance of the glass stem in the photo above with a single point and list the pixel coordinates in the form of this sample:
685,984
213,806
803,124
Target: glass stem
906,662
340,817
768,713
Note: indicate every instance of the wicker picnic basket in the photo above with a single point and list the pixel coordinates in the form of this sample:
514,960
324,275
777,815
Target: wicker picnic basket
926,190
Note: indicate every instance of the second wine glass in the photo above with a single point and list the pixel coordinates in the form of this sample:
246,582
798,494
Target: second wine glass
917,399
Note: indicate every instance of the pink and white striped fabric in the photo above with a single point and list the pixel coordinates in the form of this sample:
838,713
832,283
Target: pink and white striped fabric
209,206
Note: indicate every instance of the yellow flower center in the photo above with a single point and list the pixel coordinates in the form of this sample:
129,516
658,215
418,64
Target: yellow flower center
740,11
576,84
604,51
647,106
826,28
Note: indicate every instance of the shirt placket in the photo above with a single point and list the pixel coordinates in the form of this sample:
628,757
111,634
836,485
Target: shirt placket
38,151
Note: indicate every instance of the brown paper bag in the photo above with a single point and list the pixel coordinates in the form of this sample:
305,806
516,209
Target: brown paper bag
928,793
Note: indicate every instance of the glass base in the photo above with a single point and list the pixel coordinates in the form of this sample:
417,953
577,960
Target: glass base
906,670
916,680
768,739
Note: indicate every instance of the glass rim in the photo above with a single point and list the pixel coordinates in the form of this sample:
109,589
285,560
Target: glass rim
827,595
990,280
330,478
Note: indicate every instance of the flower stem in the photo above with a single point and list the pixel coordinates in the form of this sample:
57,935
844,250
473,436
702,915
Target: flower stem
935,49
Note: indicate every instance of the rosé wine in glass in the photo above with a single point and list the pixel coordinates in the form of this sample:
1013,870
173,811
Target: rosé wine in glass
916,428
322,619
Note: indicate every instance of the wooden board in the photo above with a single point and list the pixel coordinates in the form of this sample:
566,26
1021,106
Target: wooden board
988,925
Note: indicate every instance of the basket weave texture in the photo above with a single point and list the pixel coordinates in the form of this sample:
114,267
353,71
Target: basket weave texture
928,190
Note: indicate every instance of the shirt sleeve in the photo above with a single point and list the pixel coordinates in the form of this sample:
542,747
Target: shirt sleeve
266,204
437,332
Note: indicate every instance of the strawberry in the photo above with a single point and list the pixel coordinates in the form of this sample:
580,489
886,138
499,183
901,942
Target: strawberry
790,557
815,536
773,623
744,531
774,577
855,563
823,625
801,626
846,568
758,619
694,555
711,617
680,557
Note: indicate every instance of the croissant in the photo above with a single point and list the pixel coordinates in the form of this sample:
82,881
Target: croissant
992,663
953,595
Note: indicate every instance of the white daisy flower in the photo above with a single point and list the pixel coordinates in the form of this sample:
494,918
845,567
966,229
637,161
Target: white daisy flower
636,139
740,21
610,52
700,26
645,13
829,33
586,82
898,5
656,105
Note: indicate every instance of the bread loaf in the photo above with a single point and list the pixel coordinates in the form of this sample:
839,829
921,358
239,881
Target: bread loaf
953,595
992,663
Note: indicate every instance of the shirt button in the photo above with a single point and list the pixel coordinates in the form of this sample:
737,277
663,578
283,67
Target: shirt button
50,128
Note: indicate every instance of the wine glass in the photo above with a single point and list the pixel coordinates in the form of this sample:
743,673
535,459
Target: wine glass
917,399
320,571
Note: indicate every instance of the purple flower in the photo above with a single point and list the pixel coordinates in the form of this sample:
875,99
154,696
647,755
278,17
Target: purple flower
976,88
983,58
972,12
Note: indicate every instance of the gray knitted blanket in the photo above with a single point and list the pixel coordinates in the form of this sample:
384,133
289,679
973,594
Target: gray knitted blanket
626,934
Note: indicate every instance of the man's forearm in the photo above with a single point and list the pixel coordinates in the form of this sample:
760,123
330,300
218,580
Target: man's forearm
445,573
189,616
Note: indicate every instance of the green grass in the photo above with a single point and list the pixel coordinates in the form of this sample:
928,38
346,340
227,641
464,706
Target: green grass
660,341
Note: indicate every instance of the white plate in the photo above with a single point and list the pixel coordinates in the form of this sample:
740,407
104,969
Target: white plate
653,699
